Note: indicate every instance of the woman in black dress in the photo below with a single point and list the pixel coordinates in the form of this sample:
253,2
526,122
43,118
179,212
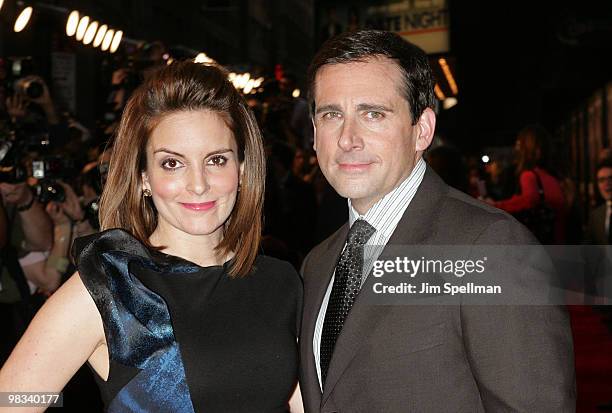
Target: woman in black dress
172,306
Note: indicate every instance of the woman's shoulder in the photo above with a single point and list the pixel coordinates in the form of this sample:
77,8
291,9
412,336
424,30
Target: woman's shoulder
550,182
276,270
539,172
278,284
103,259
274,265
94,245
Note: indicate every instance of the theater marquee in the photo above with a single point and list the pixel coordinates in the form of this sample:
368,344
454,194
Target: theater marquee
424,23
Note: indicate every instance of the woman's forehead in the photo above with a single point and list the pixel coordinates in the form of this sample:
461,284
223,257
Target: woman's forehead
192,132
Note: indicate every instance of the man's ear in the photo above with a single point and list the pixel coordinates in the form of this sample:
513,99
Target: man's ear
426,128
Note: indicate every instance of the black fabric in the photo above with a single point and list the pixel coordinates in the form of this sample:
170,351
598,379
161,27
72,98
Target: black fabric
610,227
347,283
237,336
121,375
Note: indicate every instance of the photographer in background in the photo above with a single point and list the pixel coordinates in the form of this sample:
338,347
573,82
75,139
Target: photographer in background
32,111
28,232
28,228
31,226
69,222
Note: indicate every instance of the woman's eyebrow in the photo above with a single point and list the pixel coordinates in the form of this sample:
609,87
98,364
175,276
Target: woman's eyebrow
215,152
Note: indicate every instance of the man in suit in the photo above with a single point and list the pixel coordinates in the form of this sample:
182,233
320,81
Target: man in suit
599,219
372,99
599,232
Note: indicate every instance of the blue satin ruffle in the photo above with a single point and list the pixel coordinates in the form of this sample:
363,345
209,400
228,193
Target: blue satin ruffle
137,322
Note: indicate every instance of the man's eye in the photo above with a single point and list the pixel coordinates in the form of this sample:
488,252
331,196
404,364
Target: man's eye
217,160
332,115
374,115
171,164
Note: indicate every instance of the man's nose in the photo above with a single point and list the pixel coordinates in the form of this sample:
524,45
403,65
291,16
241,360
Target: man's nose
349,135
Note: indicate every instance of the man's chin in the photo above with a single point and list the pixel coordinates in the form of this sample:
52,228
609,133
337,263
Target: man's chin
353,192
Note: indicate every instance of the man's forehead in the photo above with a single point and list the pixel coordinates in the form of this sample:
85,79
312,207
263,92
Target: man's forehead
605,171
367,65
373,76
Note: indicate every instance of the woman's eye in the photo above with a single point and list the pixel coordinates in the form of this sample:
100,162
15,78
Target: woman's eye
171,163
217,160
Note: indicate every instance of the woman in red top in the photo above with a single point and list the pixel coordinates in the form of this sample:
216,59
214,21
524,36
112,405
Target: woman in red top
532,149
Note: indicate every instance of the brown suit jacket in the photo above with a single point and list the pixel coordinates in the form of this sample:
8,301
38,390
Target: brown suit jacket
438,358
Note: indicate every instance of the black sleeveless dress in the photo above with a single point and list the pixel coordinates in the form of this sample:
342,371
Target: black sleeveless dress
185,338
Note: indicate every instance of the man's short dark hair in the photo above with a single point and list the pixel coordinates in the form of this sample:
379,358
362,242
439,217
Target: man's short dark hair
362,45
604,163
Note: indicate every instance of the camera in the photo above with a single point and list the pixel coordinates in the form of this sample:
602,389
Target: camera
47,170
30,87
18,77
11,170
13,147
47,190
15,166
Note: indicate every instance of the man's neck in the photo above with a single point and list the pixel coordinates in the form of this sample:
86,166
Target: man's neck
362,206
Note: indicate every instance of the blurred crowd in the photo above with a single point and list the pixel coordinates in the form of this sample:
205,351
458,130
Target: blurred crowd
534,185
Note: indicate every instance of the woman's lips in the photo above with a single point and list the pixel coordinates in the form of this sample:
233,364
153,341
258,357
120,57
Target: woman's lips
201,206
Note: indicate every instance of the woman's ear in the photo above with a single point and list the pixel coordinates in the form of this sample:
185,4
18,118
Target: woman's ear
144,181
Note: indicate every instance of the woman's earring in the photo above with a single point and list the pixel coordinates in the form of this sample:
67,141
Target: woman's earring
146,193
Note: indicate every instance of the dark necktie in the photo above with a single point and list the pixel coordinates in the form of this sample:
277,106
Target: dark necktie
347,282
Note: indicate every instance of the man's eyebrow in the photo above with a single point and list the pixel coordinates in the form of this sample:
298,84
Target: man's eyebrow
361,106
374,107
328,108
215,152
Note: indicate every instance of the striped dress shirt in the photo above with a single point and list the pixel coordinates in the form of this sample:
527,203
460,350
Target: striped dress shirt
384,217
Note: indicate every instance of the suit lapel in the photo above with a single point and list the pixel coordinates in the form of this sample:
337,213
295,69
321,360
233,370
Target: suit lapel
316,281
414,228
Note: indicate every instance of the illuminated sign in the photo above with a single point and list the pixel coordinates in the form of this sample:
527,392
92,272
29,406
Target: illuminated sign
424,23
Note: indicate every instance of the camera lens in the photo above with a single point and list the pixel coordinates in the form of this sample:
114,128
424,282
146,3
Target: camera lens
49,190
34,89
